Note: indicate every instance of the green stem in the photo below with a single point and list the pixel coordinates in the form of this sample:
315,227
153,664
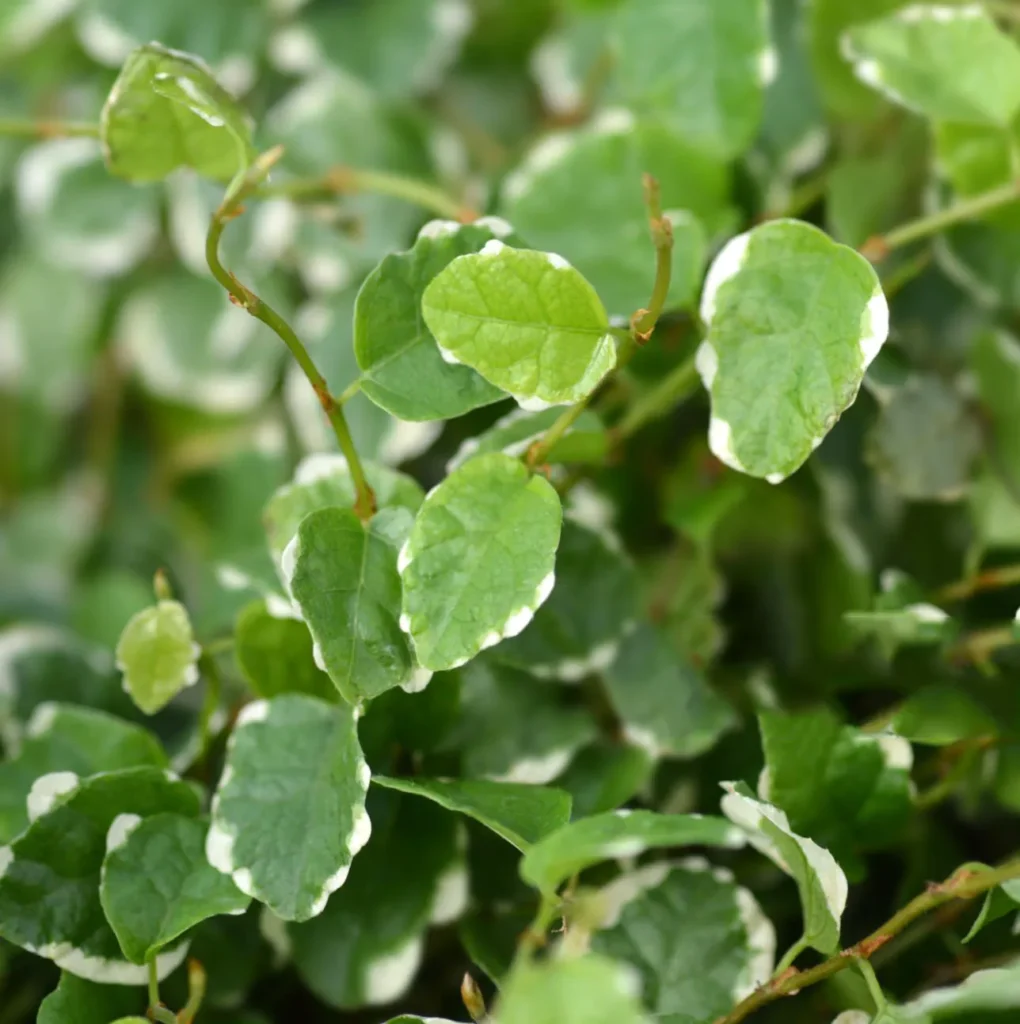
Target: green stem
871,979
213,689
791,954
644,320
28,129
677,385
880,246
534,938
153,986
196,992
244,297
991,579
963,884
352,180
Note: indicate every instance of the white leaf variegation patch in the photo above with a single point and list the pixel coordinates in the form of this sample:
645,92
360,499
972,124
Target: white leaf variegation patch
479,560
527,321
820,880
289,813
794,320
915,57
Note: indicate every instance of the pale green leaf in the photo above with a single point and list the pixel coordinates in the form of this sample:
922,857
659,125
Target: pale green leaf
289,813
157,884
820,880
366,947
925,441
521,814
527,321
997,988
158,655
166,110
699,942
324,481
479,560
514,728
666,706
915,57
65,738
939,715
275,655
76,1001
586,439
402,368
591,990
342,574
49,891
702,64
618,834
793,321
578,631
580,195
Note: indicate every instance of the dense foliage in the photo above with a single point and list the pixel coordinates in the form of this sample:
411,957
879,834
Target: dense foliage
508,510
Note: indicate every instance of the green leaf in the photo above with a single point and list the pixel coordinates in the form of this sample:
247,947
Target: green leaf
939,715
527,321
702,64
592,990
402,367
604,776
699,942
158,655
514,728
343,577
794,320
75,1001
367,946
166,110
666,707
65,738
479,560
999,902
579,194
157,884
914,57
49,890
900,616
991,989
820,880
845,789
324,481
275,655
289,812
926,441
589,841
521,814
578,631
585,440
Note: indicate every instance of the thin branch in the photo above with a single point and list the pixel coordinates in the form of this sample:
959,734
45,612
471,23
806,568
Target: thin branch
244,297
990,579
28,129
644,320
677,385
964,884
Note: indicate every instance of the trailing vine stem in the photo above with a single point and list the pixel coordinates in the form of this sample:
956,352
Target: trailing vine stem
965,883
28,129
240,188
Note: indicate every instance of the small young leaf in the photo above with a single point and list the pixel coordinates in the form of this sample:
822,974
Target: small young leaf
702,64
939,715
157,884
56,864
699,942
479,560
324,481
666,707
275,655
915,55
166,110
76,1001
579,194
583,843
820,880
343,577
794,320
592,990
65,738
521,814
289,813
403,370
527,321
1001,901
158,655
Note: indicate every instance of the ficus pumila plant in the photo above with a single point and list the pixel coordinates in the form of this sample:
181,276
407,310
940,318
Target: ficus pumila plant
498,748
